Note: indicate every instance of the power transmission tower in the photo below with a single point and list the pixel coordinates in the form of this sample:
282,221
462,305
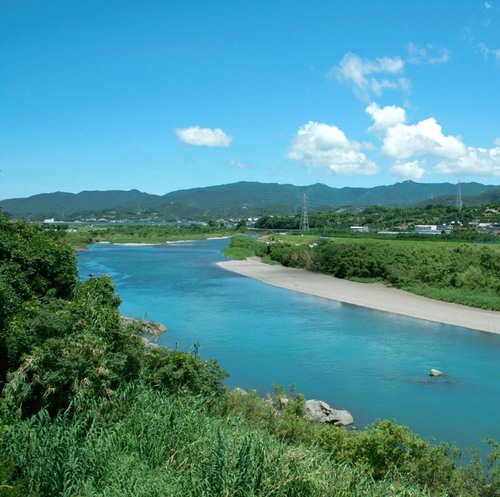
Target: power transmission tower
459,197
304,221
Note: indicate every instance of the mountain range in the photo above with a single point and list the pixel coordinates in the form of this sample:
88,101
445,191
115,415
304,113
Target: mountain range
240,200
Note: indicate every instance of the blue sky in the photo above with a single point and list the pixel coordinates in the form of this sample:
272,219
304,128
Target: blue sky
168,95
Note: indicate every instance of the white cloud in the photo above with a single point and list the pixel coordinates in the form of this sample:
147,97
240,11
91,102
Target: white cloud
238,165
403,141
487,51
409,145
497,142
487,5
325,146
430,54
477,161
408,170
385,117
203,137
371,76
425,138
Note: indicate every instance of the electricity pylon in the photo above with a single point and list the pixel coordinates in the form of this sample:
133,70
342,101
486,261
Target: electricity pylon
304,221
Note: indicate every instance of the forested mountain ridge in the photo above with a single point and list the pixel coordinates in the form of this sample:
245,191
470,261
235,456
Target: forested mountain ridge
242,199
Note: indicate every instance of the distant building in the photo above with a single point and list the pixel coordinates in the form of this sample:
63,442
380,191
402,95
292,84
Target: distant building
432,229
491,213
359,229
484,227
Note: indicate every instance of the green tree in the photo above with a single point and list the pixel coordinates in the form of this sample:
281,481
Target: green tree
32,266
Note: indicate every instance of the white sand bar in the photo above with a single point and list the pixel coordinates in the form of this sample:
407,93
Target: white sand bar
372,295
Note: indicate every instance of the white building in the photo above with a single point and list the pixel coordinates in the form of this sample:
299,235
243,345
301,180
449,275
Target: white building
432,229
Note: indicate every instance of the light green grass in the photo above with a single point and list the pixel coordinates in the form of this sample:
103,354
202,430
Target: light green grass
478,299
240,253
301,239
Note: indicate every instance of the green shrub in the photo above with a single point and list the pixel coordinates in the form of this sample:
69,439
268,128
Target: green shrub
179,371
10,484
144,442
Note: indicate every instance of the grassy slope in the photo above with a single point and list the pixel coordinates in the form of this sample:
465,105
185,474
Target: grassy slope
149,443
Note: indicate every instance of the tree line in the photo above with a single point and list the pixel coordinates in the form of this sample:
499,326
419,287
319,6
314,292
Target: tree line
380,218
468,274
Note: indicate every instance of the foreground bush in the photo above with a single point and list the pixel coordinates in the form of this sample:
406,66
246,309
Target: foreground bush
147,443
384,450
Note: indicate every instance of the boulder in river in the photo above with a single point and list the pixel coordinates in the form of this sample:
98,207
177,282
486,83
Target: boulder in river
435,372
321,412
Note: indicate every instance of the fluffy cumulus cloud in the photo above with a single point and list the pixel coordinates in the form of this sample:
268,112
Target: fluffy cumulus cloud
402,141
371,77
413,170
385,117
476,161
419,140
411,146
325,146
203,137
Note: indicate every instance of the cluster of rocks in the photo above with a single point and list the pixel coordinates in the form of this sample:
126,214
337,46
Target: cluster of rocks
314,410
149,330
321,412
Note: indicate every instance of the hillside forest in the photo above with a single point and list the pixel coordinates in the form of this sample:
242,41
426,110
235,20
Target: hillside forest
90,406
243,200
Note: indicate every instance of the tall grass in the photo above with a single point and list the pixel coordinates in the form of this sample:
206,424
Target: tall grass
151,444
480,300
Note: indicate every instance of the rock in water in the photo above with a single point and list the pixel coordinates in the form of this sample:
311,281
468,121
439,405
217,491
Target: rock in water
321,412
435,372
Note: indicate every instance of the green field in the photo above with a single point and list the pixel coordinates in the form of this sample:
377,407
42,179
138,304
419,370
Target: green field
85,235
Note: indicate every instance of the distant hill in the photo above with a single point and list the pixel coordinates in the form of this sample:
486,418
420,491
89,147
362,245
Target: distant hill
482,198
243,199
62,205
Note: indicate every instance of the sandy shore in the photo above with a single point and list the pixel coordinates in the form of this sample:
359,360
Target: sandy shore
373,295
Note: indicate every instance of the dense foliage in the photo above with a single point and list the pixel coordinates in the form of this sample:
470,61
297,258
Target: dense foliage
463,273
385,218
133,233
32,266
87,409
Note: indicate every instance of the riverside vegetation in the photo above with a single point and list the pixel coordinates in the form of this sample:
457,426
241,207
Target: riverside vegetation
87,409
463,273
137,233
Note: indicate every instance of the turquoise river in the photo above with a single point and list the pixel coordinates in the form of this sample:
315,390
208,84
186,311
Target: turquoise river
372,363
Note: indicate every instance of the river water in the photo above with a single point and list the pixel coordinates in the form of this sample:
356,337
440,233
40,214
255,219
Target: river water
372,363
